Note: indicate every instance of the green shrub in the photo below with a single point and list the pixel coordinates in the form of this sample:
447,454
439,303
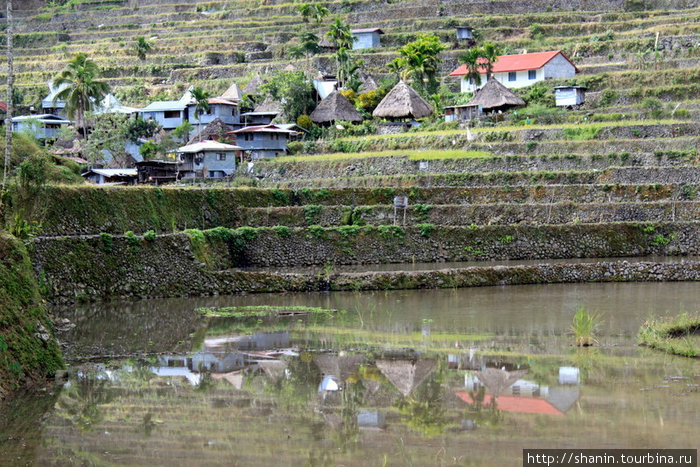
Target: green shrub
311,213
107,242
149,236
282,230
318,231
425,230
391,232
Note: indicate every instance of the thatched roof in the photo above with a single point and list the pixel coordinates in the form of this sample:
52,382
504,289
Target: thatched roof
335,107
497,381
269,105
340,367
406,375
403,102
253,85
494,95
368,84
213,131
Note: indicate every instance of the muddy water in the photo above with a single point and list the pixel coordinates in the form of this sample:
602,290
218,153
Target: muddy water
444,377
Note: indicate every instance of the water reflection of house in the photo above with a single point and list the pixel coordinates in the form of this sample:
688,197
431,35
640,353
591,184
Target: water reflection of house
191,367
259,341
513,394
217,363
371,420
336,370
406,375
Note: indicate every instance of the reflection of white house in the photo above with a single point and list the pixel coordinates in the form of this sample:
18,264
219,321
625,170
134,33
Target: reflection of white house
217,363
263,141
516,71
367,38
259,341
44,126
168,114
209,159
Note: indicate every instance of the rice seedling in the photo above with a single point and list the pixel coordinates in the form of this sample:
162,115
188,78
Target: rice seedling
584,327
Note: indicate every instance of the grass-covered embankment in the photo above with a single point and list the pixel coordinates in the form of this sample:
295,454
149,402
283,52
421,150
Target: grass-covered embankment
678,335
29,352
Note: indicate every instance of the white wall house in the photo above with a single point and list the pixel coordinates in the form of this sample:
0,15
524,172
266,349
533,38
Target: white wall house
517,71
223,109
208,159
367,38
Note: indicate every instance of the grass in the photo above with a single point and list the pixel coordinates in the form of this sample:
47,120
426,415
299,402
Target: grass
584,327
261,311
411,154
677,335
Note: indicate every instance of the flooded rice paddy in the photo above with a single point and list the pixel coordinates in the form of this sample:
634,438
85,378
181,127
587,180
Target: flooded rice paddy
428,377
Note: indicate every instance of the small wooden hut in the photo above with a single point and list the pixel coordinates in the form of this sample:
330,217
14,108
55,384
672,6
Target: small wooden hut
333,108
402,102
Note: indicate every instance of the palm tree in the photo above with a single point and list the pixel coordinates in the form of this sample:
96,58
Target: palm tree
142,47
319,12
201,98
306,11
339,34
479,59
82,90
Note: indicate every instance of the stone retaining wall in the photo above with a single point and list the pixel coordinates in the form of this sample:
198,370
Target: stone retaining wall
74,268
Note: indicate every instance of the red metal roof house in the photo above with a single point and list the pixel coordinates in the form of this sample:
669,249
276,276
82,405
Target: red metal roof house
516,71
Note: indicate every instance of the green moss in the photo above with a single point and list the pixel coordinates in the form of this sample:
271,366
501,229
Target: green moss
26,358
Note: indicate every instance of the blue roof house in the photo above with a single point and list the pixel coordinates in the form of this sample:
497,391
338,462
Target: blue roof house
168,114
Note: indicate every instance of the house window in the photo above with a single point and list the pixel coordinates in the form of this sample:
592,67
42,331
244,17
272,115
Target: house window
512,76
532,74
171,114
216,173
220,156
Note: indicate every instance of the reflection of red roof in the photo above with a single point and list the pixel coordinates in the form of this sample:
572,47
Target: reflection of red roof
520,62
517,404
3,106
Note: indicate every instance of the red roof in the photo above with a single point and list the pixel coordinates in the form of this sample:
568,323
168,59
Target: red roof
520,62
516,404
3,106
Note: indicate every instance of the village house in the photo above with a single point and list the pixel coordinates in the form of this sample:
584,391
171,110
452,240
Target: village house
43,127
465,33
263,141
111,176
492,98
516,71
223,109
157,172
367,38
51,105
208,159
168,114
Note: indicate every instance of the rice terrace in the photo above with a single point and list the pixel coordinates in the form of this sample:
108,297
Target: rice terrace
349,232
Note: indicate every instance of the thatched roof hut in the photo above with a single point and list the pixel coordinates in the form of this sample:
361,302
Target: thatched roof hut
269,105
340,367
406,375
214,131
403,102
233,93
494,96
253,85
497,381
333,108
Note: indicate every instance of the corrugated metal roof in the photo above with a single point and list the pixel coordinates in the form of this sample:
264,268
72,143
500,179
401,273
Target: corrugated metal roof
519,62
164,105
262,129
217,100
364,30
207,146
113,172
43,118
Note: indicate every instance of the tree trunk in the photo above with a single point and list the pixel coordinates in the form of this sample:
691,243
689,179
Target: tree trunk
10,89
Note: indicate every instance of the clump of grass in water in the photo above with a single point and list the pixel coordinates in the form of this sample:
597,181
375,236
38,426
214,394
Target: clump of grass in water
584,327
673,335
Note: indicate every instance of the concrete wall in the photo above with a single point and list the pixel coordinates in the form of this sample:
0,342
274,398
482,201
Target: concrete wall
559,67
263,145
228,114
366,40
166,123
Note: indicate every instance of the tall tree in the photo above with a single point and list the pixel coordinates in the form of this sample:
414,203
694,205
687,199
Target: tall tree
83,90
201,98
421,60
10,89
142,47
480,60
340,35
